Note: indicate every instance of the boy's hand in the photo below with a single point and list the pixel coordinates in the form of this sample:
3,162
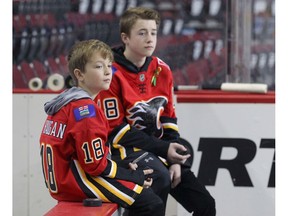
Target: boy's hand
175,174
177,153
148,181
133,166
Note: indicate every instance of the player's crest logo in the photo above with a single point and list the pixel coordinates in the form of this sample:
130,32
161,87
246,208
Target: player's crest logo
142,77
145,115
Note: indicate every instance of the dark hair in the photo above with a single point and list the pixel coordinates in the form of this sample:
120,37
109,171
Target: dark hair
131,15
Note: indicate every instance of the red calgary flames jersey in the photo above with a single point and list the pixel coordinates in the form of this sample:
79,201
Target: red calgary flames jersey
74,155
143,99
130,93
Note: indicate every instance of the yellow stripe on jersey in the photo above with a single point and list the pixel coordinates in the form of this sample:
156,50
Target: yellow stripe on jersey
115,144
136,149
163,160
89,185
127,199
170,126
138,189
113,169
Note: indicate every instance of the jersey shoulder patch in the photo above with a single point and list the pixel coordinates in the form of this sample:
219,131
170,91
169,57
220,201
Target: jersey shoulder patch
85,111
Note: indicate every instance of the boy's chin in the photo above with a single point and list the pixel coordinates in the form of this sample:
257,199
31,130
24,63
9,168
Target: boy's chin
148,54
106,87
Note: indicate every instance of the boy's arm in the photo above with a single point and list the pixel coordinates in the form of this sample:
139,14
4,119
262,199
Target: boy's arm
128,136
168,118
114,171
93,154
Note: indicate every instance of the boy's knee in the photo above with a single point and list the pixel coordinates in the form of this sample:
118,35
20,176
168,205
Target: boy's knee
163,176
148,203
157,205
161,181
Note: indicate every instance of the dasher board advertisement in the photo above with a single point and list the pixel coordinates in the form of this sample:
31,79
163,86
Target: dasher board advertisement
233,154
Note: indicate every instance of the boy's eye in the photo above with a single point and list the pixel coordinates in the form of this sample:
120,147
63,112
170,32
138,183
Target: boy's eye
99,66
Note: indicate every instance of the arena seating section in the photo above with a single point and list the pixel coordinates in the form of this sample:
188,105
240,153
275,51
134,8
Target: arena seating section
192,37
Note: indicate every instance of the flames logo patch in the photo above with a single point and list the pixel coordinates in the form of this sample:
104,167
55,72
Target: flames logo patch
145,115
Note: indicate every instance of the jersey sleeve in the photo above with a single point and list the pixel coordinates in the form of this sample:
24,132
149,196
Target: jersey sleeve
90,137
168,118
118,172
130,137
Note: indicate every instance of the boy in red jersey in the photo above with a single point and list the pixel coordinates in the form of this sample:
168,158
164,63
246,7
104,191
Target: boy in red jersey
140,109
74,149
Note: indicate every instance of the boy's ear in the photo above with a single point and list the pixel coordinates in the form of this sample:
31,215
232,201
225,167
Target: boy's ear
124,37
78,74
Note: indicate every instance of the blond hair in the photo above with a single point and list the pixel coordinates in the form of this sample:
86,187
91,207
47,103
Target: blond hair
81,53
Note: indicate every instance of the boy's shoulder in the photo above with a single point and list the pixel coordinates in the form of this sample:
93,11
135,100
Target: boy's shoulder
160,62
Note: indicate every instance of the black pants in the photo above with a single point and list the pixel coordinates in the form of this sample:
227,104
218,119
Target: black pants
190,193
147,204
